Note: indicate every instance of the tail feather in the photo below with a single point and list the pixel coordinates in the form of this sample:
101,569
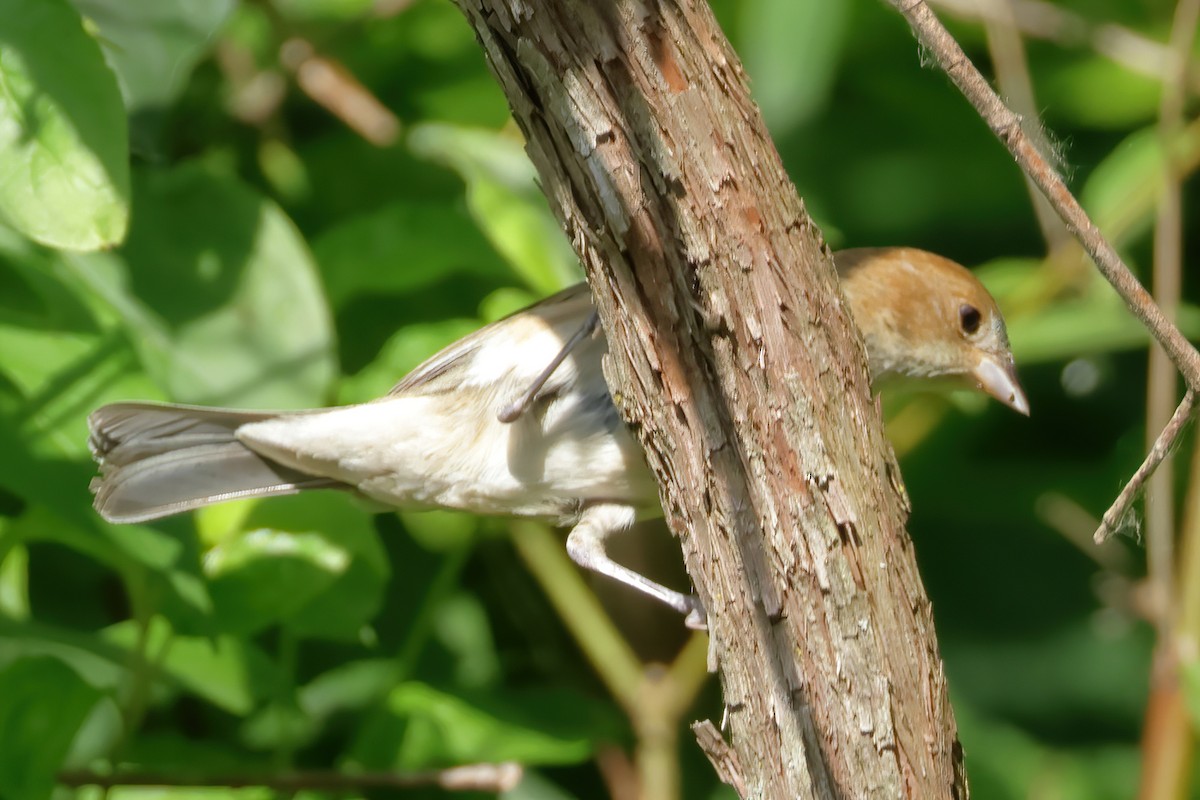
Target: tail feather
158,460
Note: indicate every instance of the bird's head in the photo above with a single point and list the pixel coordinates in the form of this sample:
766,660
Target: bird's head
924,316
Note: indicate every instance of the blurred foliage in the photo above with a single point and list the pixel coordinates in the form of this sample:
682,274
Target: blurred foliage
183,217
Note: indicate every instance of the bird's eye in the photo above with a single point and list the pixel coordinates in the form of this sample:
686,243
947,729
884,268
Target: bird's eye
969,317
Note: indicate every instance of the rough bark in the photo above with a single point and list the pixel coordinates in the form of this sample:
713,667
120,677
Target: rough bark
734,359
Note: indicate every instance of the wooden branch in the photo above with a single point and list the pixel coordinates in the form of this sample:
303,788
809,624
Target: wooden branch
733,358
1007,126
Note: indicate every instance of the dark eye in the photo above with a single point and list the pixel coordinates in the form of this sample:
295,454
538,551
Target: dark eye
969,317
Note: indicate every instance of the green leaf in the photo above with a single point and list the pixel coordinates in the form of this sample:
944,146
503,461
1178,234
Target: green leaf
1094,324
153,46
402,247
267,576
248,323
14,579
312,562
64,162
153,562
232,674
504,200
85,653
308,10
1122,192
1095,321
43,703
422,726
1093,91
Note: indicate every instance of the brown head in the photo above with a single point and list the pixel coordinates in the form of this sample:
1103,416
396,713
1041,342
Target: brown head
924,316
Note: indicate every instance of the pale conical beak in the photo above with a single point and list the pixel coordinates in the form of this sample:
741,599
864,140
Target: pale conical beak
1000,381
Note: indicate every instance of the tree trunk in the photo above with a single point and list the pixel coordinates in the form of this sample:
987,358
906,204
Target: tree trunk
732,356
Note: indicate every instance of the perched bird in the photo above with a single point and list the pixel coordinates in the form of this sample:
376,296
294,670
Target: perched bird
516,418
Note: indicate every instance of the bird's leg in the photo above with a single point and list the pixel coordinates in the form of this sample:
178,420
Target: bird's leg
513,411
585,545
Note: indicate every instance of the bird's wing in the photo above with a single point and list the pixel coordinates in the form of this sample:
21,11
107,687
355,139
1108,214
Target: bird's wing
450,369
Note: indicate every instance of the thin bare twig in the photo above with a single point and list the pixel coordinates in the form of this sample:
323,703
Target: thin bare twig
1111,522
1006,125
335,88
473,777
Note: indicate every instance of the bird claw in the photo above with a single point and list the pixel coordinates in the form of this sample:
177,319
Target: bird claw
697,618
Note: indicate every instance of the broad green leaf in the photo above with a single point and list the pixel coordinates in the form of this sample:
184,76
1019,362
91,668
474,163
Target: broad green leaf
1122,192
230,277
794,57
504,200
231,673
32,293
266,576
423,726
153,46
64,162
311,562
160,567
1094,322
43,703
85,653
1093,91
402,247
1087,326
355,594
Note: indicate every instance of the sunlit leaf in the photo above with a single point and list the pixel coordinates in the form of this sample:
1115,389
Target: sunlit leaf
504,200
310,562
1095,91
153,46
64,163
231,277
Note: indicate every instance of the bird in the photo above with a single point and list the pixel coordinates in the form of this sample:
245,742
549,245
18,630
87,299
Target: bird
516,419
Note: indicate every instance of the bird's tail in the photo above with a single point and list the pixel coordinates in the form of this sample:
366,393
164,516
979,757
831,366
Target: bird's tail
157,460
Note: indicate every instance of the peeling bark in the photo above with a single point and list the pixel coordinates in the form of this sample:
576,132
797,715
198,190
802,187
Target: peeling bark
733,357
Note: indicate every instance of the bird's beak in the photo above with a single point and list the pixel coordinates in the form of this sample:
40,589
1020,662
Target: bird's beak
999,379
